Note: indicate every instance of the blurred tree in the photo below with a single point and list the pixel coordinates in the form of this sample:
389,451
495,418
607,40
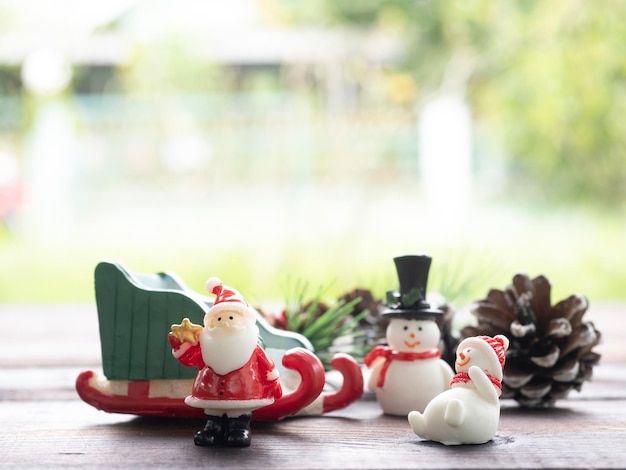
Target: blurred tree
171,64
548,78
557,94
10,81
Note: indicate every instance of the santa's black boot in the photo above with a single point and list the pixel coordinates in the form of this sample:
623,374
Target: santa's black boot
237,433
212,434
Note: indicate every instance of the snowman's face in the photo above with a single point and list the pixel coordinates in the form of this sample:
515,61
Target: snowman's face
471,356
412,335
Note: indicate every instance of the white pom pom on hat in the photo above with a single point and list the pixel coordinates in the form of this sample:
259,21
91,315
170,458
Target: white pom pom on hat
212,283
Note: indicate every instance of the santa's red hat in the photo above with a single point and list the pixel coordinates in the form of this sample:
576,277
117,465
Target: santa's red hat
494,347
227,299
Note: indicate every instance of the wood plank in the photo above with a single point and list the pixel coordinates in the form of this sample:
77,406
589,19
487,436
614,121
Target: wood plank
585,434
42,421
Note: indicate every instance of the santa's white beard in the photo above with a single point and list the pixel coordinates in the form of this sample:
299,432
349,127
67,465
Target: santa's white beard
227,349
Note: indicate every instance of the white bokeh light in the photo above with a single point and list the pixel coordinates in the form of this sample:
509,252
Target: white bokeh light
45,72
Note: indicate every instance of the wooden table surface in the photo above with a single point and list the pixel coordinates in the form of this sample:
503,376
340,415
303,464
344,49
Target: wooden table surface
43,423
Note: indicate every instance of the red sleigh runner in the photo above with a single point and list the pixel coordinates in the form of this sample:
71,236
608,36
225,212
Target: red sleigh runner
141,377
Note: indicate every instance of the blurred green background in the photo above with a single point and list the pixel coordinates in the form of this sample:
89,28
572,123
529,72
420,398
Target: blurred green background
272,141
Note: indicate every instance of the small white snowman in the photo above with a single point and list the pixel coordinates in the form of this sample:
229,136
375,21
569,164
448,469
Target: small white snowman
409,372
469,412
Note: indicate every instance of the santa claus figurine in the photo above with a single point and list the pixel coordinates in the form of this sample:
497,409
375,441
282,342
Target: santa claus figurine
235,375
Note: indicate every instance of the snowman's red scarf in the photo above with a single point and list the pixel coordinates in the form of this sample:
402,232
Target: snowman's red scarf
391,355
463,378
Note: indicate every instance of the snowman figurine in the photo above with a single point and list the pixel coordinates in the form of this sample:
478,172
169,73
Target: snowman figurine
469,412
409,372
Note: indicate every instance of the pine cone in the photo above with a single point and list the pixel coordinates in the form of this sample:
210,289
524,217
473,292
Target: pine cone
550,349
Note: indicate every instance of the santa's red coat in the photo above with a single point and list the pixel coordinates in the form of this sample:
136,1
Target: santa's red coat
249,385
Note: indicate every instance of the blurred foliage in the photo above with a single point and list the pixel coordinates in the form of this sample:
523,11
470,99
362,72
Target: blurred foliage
330,328
169,64
578,252
548,78
10,80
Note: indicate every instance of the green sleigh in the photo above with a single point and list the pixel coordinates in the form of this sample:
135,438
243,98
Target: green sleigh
141,377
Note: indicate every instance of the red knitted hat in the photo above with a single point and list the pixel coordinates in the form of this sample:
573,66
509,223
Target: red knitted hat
494,346
499,344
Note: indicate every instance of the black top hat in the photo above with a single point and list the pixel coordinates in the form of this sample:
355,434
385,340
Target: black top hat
410,302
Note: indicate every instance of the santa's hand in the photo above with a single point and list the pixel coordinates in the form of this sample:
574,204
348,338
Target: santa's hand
186,332
174,341
178,348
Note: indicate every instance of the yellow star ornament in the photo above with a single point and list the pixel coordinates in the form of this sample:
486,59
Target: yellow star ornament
186,331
